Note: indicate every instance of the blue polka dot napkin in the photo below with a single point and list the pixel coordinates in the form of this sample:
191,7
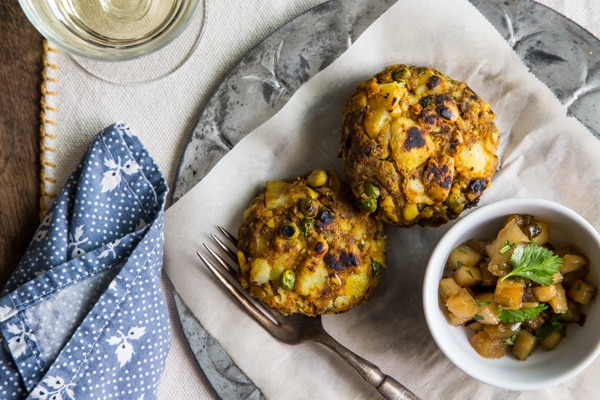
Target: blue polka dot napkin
83,316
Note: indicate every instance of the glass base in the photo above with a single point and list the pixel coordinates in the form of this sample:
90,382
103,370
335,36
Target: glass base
153,66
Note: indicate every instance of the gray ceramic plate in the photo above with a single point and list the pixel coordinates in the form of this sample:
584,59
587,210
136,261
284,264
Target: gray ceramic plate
559,52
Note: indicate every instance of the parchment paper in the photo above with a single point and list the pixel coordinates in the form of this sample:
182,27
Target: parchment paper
544,154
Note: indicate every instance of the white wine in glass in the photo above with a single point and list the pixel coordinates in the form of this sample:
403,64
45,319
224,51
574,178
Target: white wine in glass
98,33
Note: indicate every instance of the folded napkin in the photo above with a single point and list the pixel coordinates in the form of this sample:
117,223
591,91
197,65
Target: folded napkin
83,316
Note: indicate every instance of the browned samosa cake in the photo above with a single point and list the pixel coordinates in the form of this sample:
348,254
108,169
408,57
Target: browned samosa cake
305,248
418,147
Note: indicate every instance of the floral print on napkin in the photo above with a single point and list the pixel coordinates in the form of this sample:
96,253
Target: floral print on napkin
83,316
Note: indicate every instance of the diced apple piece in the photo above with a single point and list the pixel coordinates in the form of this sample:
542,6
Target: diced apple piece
467,276
559,302
544,293
509,294
501,248
551,341
456,320
462,304
448,288
475,326
499,269
540,232
557,277
524,345
572,262
488,348
488,310
581,292
463,255
530,304
503,330
573,313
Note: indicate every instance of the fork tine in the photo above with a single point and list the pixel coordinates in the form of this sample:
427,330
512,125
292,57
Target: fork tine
273,315
223,246
249,306
232,238
226,266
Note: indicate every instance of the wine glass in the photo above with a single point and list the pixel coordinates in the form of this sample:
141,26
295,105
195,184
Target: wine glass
121,41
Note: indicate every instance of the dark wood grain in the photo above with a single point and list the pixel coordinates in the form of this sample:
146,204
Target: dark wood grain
21,65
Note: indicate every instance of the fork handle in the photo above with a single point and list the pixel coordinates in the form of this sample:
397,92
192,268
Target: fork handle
387,386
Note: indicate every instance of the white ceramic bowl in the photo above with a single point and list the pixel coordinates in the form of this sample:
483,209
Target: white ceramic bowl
543,368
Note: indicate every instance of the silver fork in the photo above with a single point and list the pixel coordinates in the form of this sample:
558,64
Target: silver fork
296,328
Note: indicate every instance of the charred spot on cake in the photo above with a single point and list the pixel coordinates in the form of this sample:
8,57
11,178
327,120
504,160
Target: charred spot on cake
415,139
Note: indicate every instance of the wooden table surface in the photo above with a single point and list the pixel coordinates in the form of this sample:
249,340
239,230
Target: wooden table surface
21,65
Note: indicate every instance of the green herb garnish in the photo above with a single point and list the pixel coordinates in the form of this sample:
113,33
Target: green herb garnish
520,315
534,262
549,328
483,303
511,340
507,246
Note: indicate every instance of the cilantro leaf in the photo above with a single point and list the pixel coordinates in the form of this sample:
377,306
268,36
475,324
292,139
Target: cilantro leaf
549,328
534,262
520,315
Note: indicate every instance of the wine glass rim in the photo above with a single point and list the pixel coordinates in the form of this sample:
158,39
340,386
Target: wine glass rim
42,18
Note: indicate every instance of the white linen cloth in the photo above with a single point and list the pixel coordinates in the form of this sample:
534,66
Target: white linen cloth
164,112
